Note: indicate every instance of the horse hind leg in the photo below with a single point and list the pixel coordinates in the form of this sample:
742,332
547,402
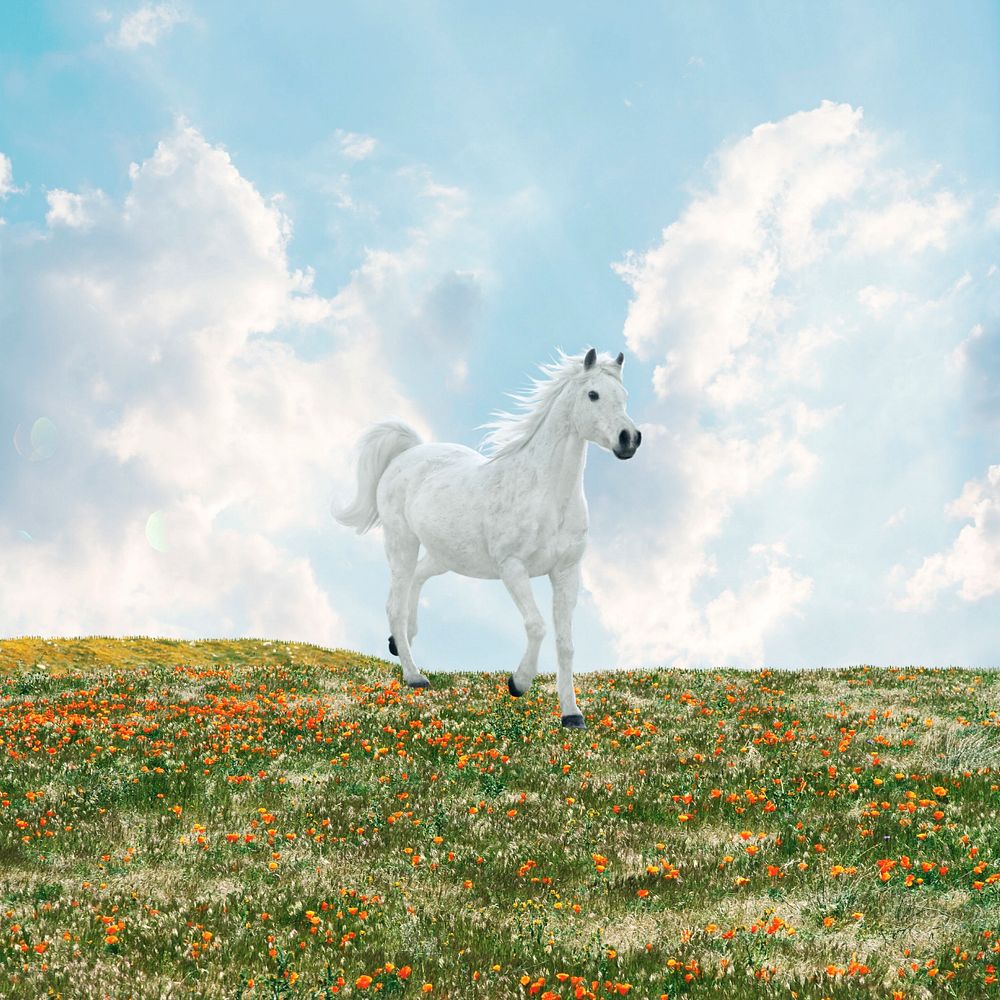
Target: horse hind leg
426,568
401,549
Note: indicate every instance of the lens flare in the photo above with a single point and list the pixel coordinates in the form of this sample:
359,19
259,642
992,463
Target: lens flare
39,443
22,441
156,531
25,535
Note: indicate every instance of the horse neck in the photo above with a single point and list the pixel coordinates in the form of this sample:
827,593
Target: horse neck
555,455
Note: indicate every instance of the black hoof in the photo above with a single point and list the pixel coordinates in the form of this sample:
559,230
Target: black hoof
392,646
574,722
513,690
418,684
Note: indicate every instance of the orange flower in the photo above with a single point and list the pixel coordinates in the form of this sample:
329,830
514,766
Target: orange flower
363,982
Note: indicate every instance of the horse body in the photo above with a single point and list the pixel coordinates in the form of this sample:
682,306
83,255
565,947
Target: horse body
471,515
518,514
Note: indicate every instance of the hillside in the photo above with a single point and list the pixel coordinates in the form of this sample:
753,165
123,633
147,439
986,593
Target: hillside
265,819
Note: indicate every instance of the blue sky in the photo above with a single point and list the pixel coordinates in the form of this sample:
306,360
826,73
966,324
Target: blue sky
233,237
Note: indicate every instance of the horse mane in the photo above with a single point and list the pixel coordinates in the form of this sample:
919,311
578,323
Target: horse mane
510,432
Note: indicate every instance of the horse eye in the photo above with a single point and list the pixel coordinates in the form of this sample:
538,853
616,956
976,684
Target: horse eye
593,395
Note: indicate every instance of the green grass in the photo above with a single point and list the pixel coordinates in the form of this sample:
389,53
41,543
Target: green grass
252,819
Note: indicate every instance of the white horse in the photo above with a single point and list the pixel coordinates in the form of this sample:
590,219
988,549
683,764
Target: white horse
519,513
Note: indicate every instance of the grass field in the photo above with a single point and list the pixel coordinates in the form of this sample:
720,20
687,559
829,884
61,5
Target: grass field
254,819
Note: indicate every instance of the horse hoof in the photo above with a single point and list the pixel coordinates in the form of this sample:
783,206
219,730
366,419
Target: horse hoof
513,690
574,722
422,683
392,646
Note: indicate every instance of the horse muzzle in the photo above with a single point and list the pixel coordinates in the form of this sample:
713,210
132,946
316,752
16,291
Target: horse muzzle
627,444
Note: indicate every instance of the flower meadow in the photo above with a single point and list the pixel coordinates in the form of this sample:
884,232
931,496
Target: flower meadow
266,819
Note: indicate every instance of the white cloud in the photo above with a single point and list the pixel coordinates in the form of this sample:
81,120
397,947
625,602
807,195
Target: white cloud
77,211
959,357
963,282
909,225
146,26
878,301
973,561
709,287
664,624
213,582
645,594
741,309
6,177
355,145
158,333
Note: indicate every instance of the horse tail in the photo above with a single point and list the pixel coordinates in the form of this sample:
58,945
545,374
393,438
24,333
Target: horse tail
378,446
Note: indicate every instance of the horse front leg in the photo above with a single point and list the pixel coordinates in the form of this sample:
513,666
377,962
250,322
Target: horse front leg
518,583
565,588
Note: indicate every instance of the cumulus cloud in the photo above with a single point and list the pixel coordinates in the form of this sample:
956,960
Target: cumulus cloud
68,208
146,25
972,563
157,335
743,308
906,224
644,585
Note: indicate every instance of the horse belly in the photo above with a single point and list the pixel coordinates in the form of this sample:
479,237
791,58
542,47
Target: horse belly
448,520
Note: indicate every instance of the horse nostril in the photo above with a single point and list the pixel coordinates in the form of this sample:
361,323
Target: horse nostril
623,439
638,438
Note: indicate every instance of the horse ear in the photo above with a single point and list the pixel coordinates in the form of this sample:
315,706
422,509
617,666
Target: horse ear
588,361
621,358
